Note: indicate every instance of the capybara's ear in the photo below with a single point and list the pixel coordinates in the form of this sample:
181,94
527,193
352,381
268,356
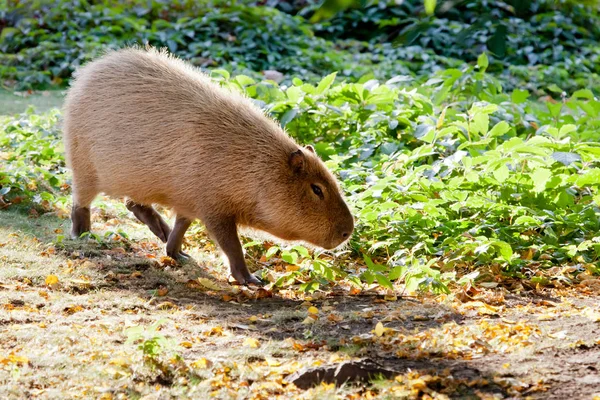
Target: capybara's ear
297,161
310,148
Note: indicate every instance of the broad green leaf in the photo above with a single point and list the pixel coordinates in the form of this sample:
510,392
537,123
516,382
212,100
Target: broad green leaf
566,129
503,249
583,94
383,281
501,173
540,177
499,129
430,6
519,96
325,83
482,61
591,177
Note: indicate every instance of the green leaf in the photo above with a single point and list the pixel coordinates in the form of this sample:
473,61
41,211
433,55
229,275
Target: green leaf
271,252
591,177
554,88
325,83
526,221
501,173
503,249
540,177
519,96
499,129
583,94
303,251
566,129
430,6
566,158
244,80
383,280
483,62
289,257
497,42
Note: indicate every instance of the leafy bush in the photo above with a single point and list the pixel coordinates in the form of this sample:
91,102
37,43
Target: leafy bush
553,41
444,178
456,174
43,42
32,159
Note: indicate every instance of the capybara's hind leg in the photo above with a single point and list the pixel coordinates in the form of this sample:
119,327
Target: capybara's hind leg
81,220
149,216
80,213
176,238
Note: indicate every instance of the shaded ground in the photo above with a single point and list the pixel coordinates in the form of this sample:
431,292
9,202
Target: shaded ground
71,338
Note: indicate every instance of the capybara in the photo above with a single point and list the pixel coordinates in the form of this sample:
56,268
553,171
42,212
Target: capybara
145,125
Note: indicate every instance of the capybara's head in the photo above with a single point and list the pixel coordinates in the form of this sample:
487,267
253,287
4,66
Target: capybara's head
308,205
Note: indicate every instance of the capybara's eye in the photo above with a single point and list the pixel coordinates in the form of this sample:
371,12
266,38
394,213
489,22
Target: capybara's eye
317,190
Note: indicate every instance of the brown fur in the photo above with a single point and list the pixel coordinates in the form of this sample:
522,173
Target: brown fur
146,125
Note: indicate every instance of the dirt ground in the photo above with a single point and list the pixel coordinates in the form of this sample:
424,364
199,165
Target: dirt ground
69,312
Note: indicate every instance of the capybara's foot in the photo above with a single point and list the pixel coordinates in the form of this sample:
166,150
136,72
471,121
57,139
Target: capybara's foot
253,280
81,220
178,255
245,278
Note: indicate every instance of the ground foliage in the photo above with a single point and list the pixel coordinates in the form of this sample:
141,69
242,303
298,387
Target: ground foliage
451,181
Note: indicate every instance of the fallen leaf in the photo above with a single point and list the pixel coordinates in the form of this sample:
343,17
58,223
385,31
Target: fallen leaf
251,342
207,283
52,281
202,363
313,310
166,305
379,329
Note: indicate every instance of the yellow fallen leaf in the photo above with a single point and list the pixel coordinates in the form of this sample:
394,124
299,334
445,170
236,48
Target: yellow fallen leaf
207,283
120,361
379,329
202,363
166,305
292,268
253,318
313,310
546,317
591,314
187,345
73,309
273,363
52,280
251,342
14,359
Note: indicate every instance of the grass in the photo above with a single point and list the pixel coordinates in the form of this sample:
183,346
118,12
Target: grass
15,103
73,339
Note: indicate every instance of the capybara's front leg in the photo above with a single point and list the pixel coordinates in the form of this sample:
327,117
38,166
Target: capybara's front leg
225,233
176,238
81,220
151,218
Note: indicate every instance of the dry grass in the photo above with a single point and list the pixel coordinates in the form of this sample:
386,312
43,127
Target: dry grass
74,339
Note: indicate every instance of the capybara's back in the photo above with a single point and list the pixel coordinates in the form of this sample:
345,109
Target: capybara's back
146,125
